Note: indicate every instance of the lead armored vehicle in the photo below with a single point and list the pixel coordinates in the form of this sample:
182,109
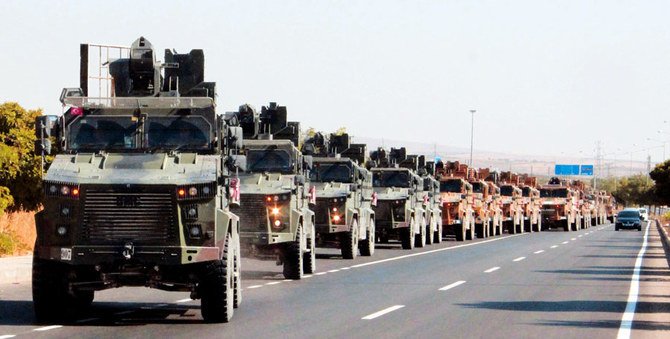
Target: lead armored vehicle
458,215
344,196
139,190
276,220
399,215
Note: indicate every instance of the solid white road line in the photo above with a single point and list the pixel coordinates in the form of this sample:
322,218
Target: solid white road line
7,336
519,259
492,269
254,286
538,252
320,273
183,300
629,313
436,250
382,312
273,283
306,276
288,280
46,328
333,271
554,246
450,286
345,268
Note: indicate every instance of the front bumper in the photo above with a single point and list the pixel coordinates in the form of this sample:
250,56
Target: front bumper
143,255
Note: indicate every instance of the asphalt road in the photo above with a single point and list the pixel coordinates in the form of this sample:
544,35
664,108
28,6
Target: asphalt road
550,284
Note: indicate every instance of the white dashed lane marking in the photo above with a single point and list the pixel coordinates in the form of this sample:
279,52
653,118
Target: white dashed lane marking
450,286
519,259
7,336
538,252
565,242
573,239
382,312
492,269
47,328
554,246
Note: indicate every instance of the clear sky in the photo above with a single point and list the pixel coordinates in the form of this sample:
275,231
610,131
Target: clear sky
546,77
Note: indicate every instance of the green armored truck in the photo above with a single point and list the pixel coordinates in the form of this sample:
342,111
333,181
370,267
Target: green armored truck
432,202
139,190
399,214
344,195
276,221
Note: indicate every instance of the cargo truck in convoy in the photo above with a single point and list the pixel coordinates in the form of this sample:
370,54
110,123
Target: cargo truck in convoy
532,203
343,213
512,203
432,202
275,216
140,187
458,215
399,214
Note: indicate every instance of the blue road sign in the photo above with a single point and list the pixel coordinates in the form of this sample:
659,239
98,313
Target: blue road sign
566,169
586,170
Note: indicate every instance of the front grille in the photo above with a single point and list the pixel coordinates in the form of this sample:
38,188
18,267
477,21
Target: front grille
141,215
252,212
383,210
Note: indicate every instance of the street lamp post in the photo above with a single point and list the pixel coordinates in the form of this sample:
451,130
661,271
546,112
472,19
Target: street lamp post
472,134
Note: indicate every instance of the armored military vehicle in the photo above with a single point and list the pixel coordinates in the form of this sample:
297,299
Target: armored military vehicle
532,203
432,202
490,193
344,196
512,203
458,216
139,190
558,208
399,214
276,221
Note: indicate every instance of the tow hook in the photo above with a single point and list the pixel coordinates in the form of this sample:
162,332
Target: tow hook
128,251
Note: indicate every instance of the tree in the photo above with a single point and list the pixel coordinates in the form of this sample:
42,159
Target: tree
20,174
661,176
634,190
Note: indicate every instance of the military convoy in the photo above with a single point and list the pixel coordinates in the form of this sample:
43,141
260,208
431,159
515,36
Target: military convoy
147,185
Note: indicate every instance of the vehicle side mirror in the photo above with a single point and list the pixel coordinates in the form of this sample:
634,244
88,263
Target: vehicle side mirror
238,162
235,139
307,162
463,196
45,126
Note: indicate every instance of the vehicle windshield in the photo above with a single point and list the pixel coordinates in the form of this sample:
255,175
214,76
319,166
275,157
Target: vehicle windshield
525,191
477,187
181,132
554,192
390,179
454,186
269,160
327,172
102,133
642,210
507,190
629,214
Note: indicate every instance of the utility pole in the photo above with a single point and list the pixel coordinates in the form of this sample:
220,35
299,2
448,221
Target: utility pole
472,134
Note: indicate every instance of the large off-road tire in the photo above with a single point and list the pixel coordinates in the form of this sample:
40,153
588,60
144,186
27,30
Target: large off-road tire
470,234
566,225
51,299
349,242
407,238
293,266
420,239
480,230
217,287
309,257
459,232
367,246
528,225
429,233
237,272
438,233
538,225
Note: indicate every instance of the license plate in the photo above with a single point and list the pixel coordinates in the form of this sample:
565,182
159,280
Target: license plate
66,254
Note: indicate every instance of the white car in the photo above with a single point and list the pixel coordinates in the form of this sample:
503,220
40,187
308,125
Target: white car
644,215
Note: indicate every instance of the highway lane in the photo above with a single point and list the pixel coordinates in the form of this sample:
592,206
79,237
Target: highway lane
551,284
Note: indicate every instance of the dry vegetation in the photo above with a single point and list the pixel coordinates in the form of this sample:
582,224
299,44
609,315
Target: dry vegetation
17,233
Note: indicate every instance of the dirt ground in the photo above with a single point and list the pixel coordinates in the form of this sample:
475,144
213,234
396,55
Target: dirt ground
21,227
